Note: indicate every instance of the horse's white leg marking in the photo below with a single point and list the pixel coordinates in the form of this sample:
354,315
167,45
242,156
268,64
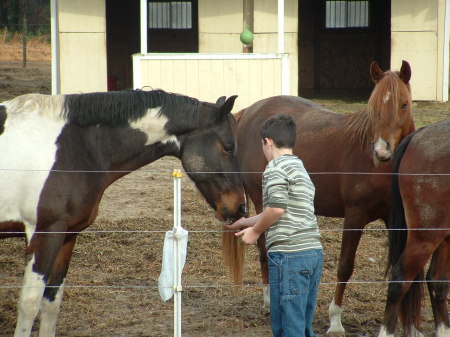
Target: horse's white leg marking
49,314
414,332
383,332
442,330
335,314
266,296
29,301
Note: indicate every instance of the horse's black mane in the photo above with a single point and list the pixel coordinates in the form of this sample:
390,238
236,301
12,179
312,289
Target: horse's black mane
121,107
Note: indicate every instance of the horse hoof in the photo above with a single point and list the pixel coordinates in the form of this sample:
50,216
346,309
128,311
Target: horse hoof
335,333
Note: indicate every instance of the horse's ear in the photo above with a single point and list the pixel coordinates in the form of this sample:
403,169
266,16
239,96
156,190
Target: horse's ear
221,100
228,105
375,72
405,72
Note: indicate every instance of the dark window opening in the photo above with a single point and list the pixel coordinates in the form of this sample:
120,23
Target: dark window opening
173,26
347,14
170,15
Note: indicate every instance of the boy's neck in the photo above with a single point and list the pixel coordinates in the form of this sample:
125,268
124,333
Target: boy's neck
278,152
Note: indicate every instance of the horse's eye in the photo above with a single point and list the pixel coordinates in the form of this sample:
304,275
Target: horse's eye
228,148
404,105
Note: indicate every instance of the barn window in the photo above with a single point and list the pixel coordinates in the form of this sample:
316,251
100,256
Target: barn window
170,14
347,14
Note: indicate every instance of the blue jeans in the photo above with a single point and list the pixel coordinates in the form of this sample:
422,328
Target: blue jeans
294,280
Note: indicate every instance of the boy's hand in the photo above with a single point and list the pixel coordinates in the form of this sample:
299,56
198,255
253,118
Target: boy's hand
249,236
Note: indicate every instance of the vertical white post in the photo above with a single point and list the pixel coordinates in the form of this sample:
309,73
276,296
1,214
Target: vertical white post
285,75
177,267
280,26
446,51
144,11
55,46
137,71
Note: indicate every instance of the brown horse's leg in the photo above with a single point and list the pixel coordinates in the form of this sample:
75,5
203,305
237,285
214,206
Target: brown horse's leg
440,271
350,241
264,269
261,243
54,291
401,289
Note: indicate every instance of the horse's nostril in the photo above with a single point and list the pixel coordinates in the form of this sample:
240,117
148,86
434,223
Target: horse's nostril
225,213
242,210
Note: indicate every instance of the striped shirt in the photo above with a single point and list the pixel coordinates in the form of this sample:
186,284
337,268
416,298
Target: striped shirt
287,185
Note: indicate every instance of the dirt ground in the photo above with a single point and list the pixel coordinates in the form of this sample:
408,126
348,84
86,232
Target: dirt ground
112,283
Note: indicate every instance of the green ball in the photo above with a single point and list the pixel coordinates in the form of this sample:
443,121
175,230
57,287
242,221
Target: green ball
246,36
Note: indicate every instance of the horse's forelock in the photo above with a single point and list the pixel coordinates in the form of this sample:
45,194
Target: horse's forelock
386,96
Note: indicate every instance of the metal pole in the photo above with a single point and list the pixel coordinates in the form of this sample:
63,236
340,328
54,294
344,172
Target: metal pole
24,35
177,288
144,26
280,26
248,22
55,47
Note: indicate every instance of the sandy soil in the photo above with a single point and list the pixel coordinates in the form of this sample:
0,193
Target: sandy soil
112,283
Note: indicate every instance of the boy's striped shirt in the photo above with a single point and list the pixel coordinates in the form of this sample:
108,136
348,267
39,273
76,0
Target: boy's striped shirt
287,185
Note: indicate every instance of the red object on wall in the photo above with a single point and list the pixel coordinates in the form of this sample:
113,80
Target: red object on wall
112,83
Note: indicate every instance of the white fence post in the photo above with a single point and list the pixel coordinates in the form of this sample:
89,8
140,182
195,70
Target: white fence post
177,267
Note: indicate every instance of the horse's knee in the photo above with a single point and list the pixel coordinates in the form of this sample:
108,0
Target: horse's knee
344,271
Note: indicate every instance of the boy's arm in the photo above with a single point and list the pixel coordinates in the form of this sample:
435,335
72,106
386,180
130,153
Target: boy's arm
243,222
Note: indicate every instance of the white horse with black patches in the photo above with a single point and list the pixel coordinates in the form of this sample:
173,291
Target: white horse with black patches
59,153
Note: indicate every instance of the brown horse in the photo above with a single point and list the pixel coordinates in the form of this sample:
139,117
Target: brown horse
420,201
331,145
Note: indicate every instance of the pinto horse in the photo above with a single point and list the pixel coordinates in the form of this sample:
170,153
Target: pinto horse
332,145
420,228
59,153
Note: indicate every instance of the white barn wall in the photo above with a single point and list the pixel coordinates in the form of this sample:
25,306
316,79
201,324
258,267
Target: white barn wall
82,41
221,23
209,77
418,36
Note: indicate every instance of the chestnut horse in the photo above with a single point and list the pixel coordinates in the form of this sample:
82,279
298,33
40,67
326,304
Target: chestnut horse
348,157
420,228
58,154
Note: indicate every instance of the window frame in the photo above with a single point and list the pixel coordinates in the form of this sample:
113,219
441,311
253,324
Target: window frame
369,28
194,19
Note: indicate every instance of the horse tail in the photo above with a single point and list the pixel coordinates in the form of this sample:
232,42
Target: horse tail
412,301
233,255
233,250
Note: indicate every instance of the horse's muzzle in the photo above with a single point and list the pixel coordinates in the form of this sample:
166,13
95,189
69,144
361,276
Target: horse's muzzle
240,212
382,150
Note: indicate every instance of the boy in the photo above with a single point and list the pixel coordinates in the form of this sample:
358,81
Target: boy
292,236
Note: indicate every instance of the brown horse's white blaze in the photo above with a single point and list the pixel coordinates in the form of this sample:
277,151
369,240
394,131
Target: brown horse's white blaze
59,153
327,143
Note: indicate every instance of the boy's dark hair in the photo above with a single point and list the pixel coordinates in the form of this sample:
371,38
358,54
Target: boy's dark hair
281,129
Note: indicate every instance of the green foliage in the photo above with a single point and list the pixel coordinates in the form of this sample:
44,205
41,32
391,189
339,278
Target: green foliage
37,13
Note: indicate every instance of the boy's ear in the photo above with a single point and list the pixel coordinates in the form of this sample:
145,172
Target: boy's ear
268,141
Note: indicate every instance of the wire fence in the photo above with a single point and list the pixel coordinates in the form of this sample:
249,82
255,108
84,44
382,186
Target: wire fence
192,286
201,232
